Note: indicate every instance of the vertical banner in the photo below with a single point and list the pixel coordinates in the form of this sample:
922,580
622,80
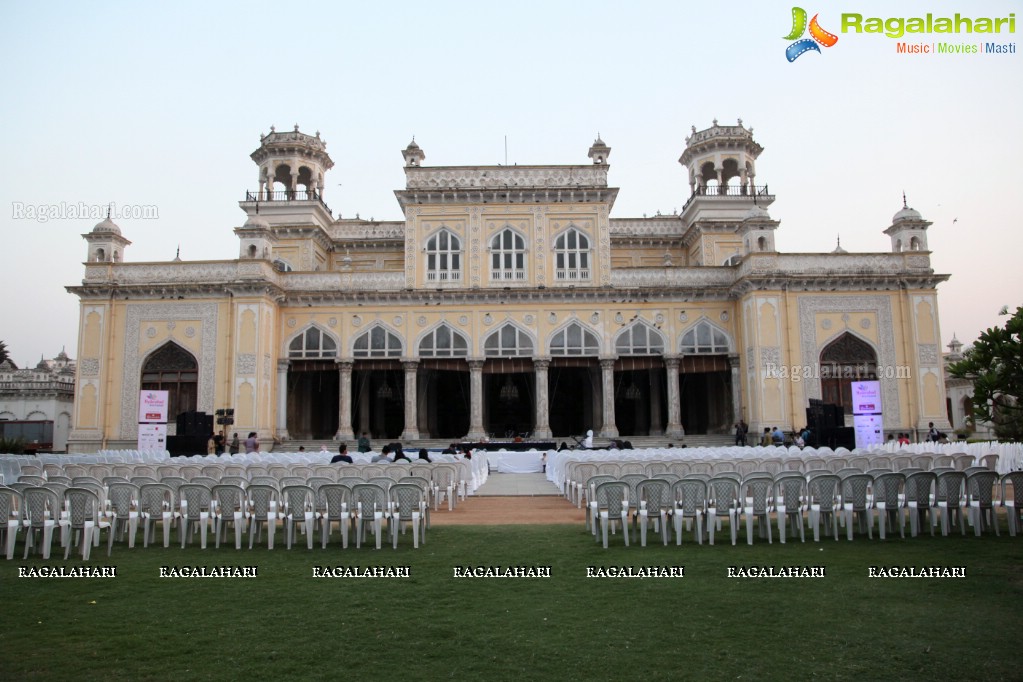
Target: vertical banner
868,417
153,407
152,437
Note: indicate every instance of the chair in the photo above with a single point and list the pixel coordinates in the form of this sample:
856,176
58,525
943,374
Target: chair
789,497
142,480
1013,505
990,461
889,490
980,500
229,508
407,505
11,506
918,500
754,496
962,461
384,482
612,499
923,461
299,507
653,499
214,471
32,479
722,498
123,498
592,506
207,481
943,461
855,504
40,508
196,504
51,469
632,468
900,462
285,481
444,483
263,504
189,471
265,479
633,480
370,503
950,492
156,503
85,515
690,496
423,483
822,496
337,499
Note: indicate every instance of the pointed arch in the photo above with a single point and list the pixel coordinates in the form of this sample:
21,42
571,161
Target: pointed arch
639,338
442,341
572,255
574,338
379,341
509,340
174,369
443,251
705,337
508,255
312,342
844,358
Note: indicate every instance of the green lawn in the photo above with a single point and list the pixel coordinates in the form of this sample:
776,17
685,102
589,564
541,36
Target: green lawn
285,624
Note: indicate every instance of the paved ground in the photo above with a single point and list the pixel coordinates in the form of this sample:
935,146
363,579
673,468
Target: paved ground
516,499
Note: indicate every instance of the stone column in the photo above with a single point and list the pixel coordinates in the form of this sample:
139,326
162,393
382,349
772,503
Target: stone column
344,413
674,428
542,427
607,372
733,363
282,399
411,431
656,415
476,400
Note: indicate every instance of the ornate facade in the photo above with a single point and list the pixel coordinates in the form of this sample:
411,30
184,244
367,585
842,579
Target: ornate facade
39,395
508,301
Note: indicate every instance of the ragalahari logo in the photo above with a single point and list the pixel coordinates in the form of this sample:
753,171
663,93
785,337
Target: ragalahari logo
817,35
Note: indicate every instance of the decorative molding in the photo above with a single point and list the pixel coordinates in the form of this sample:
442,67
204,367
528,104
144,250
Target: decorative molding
770,355
881,307
88,367
246,364
502,177
206,314
927,354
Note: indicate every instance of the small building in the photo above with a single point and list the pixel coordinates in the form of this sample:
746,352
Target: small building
36,404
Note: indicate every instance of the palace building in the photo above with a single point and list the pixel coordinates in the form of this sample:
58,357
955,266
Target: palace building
507,300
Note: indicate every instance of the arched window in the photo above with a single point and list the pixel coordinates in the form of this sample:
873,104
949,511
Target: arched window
572,256
282,265
313,343
843,361
173,369
377,343
734,259
704,338
443,342
639,339
508,341
761,244
507,256
575,340
443,257
914,244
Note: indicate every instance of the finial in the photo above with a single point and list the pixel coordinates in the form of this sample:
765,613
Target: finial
109,207
177,256
273,129
296,127
715,122
317,134
904,199
740,122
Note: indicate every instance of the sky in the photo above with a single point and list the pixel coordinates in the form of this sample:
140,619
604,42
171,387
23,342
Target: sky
160,105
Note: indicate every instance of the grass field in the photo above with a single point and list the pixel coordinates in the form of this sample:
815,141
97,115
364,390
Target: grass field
285,624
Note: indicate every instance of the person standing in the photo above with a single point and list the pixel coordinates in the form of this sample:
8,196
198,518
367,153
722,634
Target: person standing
235,445
218,443
251,443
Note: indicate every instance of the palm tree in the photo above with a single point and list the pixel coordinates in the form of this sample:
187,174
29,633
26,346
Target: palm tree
3,351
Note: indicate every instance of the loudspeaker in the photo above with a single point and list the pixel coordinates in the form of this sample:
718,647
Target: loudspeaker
195,424
185,446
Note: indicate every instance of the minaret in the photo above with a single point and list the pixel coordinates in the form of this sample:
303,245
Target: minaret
722,160
412,154
106,244
908,229
599,152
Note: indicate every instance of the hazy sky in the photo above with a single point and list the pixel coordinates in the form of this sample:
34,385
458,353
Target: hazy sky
146,104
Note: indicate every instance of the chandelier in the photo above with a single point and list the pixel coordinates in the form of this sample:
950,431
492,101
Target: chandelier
509,392
632,392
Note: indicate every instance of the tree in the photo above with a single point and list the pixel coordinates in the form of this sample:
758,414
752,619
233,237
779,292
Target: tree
995,366
3,351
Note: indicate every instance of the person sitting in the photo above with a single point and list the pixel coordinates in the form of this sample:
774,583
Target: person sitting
903,439
424,455
777,437
766,439
342,455
588,440
383,456
450,450
323,449
364,445
400,456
